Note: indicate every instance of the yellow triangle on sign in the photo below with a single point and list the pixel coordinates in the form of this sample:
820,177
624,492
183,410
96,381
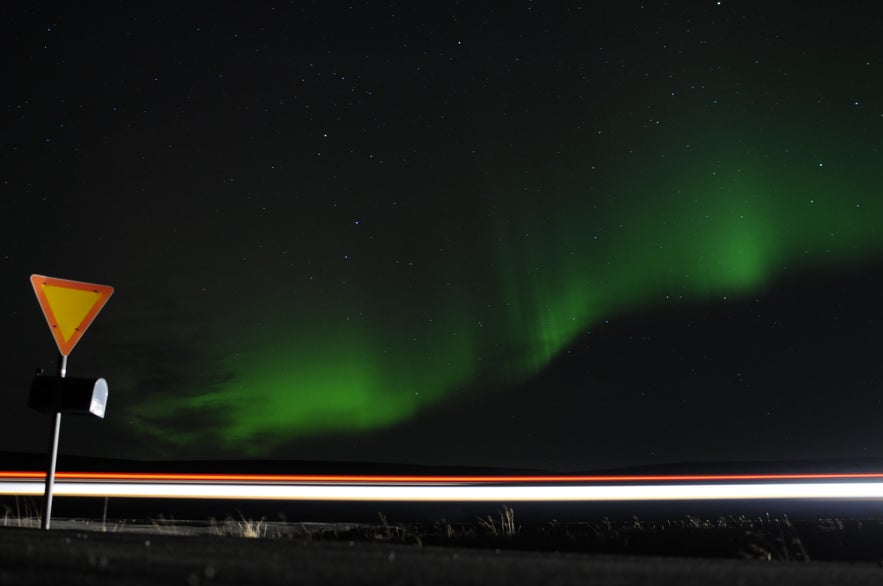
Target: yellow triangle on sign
69,307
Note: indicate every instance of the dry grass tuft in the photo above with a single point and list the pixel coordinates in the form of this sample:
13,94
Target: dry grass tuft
506,525
241,527
26,514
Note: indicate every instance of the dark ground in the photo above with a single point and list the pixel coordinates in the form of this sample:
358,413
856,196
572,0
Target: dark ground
79,557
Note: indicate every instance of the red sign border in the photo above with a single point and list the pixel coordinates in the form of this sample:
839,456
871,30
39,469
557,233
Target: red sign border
104,293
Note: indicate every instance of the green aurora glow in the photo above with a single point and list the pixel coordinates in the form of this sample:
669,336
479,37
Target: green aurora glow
520,205
443,233
702,226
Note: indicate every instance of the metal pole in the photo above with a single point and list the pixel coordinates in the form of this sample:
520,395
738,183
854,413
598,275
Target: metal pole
53,458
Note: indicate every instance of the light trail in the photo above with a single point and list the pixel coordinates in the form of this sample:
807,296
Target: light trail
424,479
389,488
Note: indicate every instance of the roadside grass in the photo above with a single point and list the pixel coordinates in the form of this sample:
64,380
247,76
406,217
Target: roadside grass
760,538
506,525
765,537
24,512
241,527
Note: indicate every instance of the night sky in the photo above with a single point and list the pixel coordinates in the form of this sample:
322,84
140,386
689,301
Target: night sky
526,234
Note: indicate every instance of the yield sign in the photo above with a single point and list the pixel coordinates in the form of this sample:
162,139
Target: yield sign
69,307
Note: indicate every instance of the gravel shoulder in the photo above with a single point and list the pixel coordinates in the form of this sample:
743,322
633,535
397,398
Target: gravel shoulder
79,557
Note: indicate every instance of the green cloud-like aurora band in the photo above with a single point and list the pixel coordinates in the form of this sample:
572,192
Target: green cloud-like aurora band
551,266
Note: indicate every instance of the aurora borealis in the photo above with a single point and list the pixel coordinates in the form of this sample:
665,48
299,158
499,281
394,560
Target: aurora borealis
326,224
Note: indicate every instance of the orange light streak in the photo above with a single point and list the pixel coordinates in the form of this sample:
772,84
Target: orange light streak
423,479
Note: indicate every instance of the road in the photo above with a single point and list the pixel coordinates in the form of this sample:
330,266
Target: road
30,556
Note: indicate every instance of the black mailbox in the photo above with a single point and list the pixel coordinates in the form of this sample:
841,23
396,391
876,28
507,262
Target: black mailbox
79,396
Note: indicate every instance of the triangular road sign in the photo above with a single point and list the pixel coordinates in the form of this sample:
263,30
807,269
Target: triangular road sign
69,307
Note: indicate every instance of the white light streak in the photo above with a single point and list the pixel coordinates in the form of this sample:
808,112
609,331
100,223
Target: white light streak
454,492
